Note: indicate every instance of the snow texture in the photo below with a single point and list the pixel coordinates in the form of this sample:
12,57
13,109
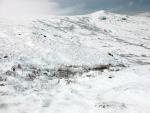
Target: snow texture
96,63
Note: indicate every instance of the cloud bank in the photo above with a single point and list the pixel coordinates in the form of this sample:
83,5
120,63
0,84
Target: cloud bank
69,7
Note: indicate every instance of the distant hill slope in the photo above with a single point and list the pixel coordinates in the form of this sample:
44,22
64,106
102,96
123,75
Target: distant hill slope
76,39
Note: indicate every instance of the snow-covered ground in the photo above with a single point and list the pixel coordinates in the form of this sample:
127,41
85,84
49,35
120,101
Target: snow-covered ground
96,63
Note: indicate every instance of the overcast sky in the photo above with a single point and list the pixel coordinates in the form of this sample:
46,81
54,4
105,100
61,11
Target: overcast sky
85,6
72,7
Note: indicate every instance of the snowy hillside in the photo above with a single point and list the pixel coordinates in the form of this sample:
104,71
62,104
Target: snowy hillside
96,63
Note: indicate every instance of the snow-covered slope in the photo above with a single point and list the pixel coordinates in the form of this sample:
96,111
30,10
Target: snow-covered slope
96,63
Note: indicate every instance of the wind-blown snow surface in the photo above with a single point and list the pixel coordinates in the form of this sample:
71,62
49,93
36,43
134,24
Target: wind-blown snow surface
96,63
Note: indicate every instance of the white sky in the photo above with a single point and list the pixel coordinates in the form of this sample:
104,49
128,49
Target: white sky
27,7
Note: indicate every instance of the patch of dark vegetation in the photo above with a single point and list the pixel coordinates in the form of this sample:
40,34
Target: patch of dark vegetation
2,84
88,75
110,54
32,72
5,56
103,18
124,18
65,73
13,69
44,35
70,71
100,67
110,76
111,105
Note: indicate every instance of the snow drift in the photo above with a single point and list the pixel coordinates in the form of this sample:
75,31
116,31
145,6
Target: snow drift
96,63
